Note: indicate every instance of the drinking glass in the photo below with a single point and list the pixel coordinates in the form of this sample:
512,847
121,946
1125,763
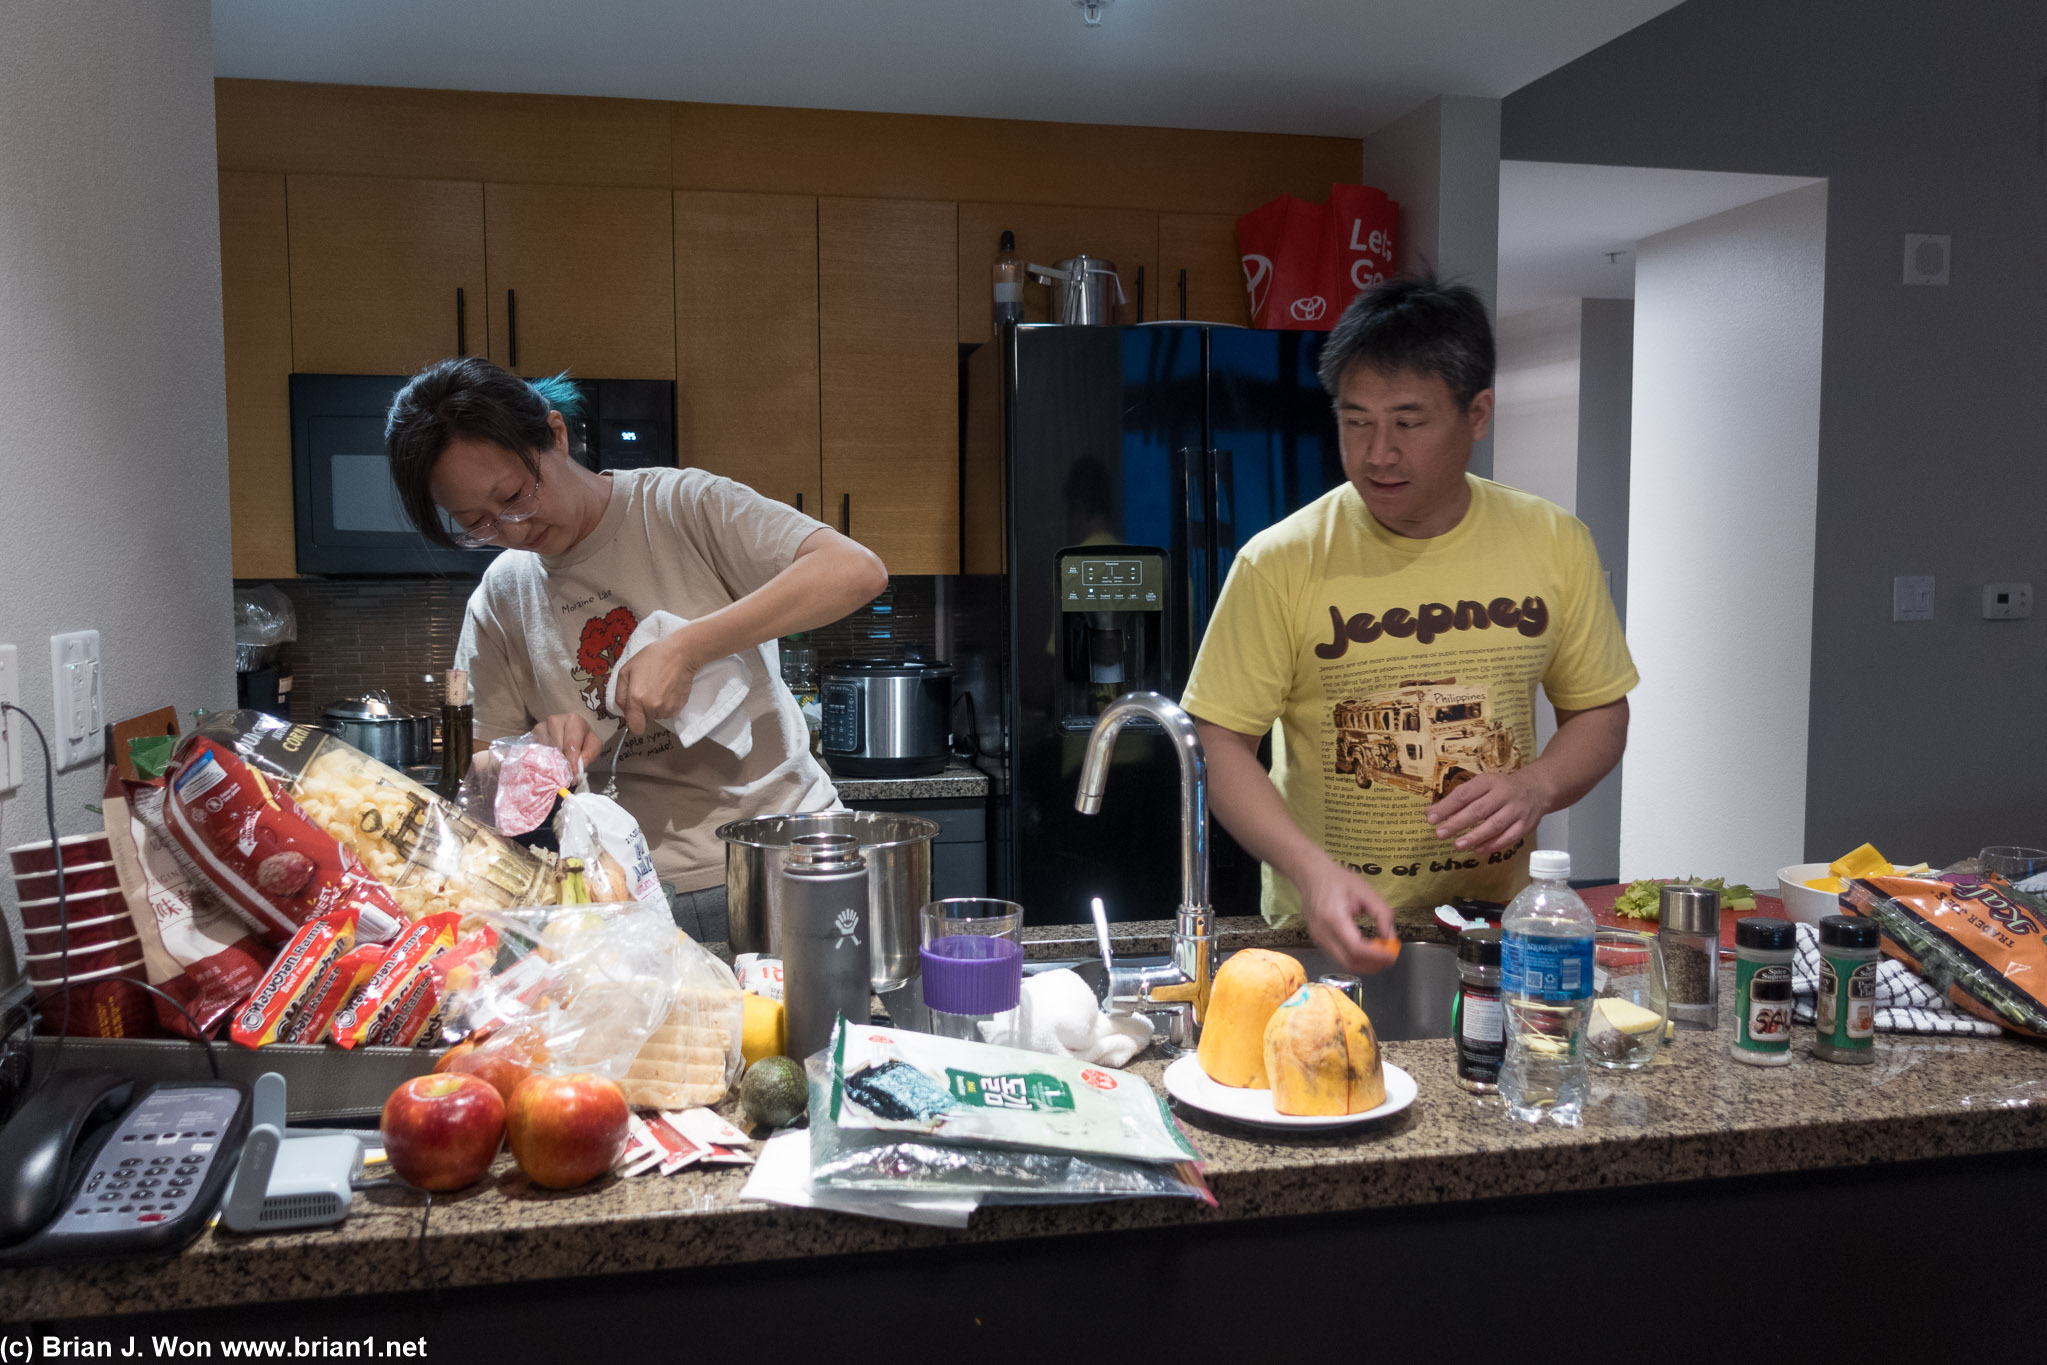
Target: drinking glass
1630,1000
971,915
2012,862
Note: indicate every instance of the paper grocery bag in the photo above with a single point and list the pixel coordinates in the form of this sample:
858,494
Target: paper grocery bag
1304,263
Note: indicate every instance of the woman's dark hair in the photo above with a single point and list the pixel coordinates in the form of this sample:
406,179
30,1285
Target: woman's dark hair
1414,323
468,397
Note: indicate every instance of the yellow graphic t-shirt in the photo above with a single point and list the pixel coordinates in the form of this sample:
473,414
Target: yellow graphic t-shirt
1396,669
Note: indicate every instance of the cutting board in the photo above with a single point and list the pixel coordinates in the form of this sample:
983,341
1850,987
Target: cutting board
1599,900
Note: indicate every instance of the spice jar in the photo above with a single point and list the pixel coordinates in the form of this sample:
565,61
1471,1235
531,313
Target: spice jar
1479,1023
1688,931
1847,994
1763,949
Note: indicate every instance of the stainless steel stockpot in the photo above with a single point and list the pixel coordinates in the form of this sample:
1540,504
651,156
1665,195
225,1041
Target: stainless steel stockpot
896,849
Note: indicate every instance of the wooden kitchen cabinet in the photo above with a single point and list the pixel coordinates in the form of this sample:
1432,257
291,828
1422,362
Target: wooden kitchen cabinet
888,381
1205,246
1047,235
375,266
255,302
746,334
580,279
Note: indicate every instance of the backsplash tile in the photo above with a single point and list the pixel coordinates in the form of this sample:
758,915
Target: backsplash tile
399,634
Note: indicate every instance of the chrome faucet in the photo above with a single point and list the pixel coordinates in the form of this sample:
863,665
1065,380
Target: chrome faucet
1175,995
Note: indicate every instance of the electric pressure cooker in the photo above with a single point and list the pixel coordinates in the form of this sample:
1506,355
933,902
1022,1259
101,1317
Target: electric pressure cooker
886,717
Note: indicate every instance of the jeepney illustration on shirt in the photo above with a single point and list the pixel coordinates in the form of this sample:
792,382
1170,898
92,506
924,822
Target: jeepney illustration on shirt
1426,737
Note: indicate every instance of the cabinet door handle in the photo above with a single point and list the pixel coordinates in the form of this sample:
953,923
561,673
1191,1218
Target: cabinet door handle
1183,294
799,502
511,330
845,514
461,323
1140,293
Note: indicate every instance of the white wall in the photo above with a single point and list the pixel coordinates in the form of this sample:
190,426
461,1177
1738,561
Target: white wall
1442,163
113,460
1721,533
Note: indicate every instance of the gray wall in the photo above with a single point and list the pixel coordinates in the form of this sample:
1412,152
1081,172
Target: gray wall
1441,161
1606,368
1927,738
113,463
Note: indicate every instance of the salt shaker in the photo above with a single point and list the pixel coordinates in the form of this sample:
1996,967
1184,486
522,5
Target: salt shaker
821,893
1688,930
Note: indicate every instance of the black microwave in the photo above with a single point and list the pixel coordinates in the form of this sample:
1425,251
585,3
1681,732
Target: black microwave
346,507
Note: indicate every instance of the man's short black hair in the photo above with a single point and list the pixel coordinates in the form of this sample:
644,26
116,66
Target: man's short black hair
1414,323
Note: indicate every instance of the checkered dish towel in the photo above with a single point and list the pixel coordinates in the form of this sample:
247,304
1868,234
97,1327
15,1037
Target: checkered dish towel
1905,1001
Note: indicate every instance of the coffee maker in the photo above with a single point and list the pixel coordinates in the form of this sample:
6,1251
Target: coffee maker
1112,614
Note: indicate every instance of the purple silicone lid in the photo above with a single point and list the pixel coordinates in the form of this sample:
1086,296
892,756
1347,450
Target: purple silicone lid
972,974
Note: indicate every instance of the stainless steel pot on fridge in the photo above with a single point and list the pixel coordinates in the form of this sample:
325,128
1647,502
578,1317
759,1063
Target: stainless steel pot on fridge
896,849
1085,290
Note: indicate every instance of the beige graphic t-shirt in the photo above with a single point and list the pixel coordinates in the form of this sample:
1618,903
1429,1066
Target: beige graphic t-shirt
1397,669
542,635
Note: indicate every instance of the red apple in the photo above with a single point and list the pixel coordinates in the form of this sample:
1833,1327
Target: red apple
499,1066
441,1132
565,1130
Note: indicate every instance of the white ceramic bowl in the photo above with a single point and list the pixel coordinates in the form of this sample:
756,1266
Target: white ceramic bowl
1801,902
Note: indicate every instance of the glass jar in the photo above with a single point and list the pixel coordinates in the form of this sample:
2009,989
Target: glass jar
1763,949
1688,928
1846,1020
1479,1023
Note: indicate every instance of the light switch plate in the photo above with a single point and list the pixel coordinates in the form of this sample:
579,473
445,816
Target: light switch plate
79,736
13,734
1912,598
2007,601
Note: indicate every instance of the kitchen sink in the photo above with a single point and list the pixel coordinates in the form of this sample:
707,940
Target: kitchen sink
1411,999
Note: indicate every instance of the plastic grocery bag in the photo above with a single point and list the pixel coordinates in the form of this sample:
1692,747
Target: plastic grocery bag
617,865
1304,263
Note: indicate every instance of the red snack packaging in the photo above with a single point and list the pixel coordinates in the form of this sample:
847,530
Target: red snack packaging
389,986
416,1021
333,989
276,868
288,985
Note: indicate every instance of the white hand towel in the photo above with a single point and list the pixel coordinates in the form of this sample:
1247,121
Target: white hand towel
1058,1014
716,709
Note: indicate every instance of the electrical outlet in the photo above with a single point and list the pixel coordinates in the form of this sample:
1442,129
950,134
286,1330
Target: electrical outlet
75,683
2007,601
13,734
1926,257
1912,598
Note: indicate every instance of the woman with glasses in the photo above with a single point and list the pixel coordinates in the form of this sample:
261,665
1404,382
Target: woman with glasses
482,458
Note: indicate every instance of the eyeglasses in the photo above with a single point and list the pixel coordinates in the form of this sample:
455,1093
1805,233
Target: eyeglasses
484,532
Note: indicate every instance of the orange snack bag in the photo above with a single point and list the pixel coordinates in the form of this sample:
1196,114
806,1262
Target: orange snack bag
421,942
333,990
1982,942
287,987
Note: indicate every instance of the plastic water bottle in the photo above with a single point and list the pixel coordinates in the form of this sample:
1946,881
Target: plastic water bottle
1546,985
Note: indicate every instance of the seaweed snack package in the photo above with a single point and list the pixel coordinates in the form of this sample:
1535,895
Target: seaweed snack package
432,857
617,866
276,867
289,986
390,993
1983,943
195,948
955,1091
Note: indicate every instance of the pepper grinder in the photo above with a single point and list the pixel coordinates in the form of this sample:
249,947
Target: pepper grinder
1688,930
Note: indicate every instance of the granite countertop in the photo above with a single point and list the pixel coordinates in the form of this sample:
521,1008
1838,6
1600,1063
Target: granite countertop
961,780
1695,1114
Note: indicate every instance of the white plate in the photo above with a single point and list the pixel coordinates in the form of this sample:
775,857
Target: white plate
1189,1084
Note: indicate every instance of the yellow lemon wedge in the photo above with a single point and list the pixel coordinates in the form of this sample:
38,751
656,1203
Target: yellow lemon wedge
1863,862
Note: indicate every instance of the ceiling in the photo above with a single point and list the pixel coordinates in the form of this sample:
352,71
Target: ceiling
1558,223
1333,67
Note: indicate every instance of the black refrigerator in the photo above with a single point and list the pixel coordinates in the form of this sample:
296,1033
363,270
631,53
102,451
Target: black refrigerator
1110,476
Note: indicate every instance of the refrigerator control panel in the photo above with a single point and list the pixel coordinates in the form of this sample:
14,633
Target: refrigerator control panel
1112,582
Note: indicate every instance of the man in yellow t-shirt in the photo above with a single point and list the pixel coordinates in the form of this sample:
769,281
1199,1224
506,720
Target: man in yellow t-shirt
1394,631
